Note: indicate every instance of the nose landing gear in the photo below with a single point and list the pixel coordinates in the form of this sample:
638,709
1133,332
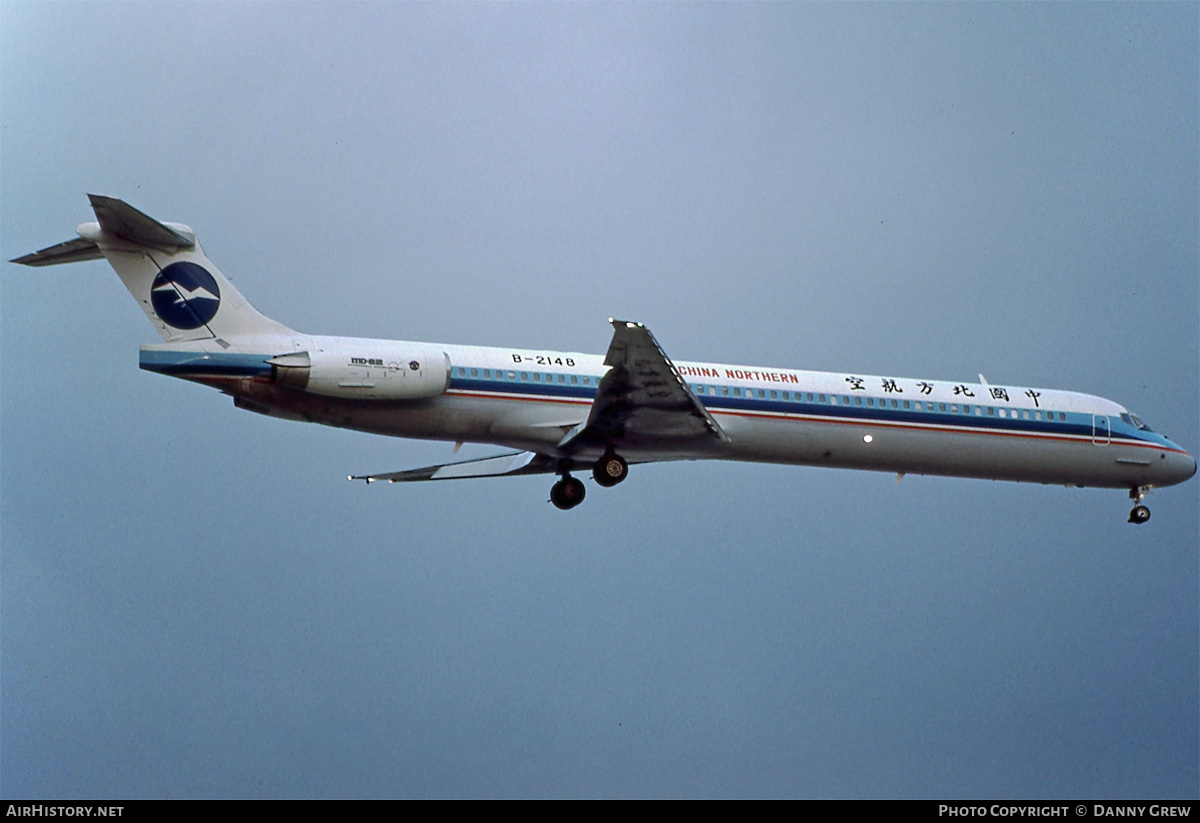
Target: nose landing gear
1139,513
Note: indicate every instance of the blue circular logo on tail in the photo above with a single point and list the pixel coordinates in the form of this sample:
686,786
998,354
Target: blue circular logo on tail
185,296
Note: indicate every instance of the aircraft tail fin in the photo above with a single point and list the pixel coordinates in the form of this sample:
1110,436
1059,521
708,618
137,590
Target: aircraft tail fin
183,294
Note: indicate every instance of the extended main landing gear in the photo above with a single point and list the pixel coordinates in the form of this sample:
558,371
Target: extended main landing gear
569,492
610,470
1139,514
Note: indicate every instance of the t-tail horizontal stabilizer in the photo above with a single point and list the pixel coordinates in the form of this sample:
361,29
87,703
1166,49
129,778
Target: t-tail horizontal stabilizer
119,221
70,251
501,464
182,293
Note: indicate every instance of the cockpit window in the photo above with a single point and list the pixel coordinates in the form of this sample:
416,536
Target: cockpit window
1135,421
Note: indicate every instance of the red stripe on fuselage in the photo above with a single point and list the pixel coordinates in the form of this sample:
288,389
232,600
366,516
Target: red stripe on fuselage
1075,438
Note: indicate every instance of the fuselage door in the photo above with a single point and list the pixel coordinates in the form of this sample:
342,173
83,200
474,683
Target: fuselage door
1101,433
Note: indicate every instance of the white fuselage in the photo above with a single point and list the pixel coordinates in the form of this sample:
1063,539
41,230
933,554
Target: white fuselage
528,399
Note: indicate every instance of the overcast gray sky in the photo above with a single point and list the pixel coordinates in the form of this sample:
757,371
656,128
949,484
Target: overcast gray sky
194,601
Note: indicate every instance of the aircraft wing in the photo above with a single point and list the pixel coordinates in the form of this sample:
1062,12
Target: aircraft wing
511,463
643,398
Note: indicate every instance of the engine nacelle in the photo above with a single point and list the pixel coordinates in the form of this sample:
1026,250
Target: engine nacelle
371,370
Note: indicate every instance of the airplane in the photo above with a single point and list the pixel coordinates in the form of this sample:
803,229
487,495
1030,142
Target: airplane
568,411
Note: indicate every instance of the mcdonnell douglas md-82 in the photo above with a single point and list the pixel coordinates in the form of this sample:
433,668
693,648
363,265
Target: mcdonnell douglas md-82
565,412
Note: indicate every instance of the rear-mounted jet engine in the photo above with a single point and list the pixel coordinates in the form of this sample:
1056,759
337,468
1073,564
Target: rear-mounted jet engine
383,373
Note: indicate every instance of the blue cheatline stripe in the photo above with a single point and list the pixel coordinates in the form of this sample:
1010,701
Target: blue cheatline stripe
527,388
1077,424
184,364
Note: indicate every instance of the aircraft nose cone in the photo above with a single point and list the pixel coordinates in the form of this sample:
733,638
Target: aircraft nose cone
1173,465
1180,467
